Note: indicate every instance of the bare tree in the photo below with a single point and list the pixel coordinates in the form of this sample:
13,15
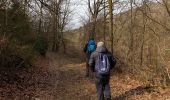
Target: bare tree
111,22
95,8
60,13
166,4
104,20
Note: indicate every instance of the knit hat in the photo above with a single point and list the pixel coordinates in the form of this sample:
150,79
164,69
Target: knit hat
100,44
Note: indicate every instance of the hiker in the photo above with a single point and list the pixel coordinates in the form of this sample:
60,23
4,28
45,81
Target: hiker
89,48
101,62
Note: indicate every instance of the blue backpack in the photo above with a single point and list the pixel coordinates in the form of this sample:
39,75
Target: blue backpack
91,47
102,66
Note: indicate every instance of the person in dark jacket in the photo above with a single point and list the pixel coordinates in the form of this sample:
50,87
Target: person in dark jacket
102,81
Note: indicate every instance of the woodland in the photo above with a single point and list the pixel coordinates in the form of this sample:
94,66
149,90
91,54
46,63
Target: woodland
42,58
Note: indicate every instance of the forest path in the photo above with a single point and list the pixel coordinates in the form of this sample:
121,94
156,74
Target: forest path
71,83
62,77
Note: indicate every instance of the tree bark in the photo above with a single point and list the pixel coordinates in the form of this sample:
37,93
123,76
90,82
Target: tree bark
104,22
111,22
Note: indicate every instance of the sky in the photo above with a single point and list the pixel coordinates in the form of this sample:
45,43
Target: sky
79,8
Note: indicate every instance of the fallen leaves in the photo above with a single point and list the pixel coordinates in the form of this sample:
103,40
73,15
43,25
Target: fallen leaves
61,77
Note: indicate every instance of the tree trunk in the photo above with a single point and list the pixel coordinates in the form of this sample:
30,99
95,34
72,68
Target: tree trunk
104,22
111,22
143,34
93,33
40,20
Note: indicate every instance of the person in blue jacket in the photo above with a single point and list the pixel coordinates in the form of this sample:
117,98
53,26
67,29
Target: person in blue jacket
89,48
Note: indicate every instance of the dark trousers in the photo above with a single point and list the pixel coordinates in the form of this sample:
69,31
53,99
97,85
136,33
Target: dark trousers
103,88
88,71
87,67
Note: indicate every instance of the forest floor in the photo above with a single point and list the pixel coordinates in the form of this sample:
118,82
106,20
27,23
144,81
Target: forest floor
62,77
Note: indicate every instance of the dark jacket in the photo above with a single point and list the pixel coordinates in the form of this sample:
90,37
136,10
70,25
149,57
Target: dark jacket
95,54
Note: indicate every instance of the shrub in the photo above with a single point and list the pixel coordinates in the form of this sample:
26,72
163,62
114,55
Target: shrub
14,55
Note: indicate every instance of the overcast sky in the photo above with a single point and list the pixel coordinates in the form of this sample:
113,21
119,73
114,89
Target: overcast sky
79,8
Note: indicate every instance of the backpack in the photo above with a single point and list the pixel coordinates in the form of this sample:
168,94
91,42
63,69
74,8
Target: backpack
102,66
91,47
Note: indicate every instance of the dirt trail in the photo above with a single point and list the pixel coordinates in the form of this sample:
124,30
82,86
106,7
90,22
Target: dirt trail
70,83
62,77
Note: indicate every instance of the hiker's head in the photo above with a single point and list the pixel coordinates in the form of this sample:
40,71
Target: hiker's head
91,38
100,44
